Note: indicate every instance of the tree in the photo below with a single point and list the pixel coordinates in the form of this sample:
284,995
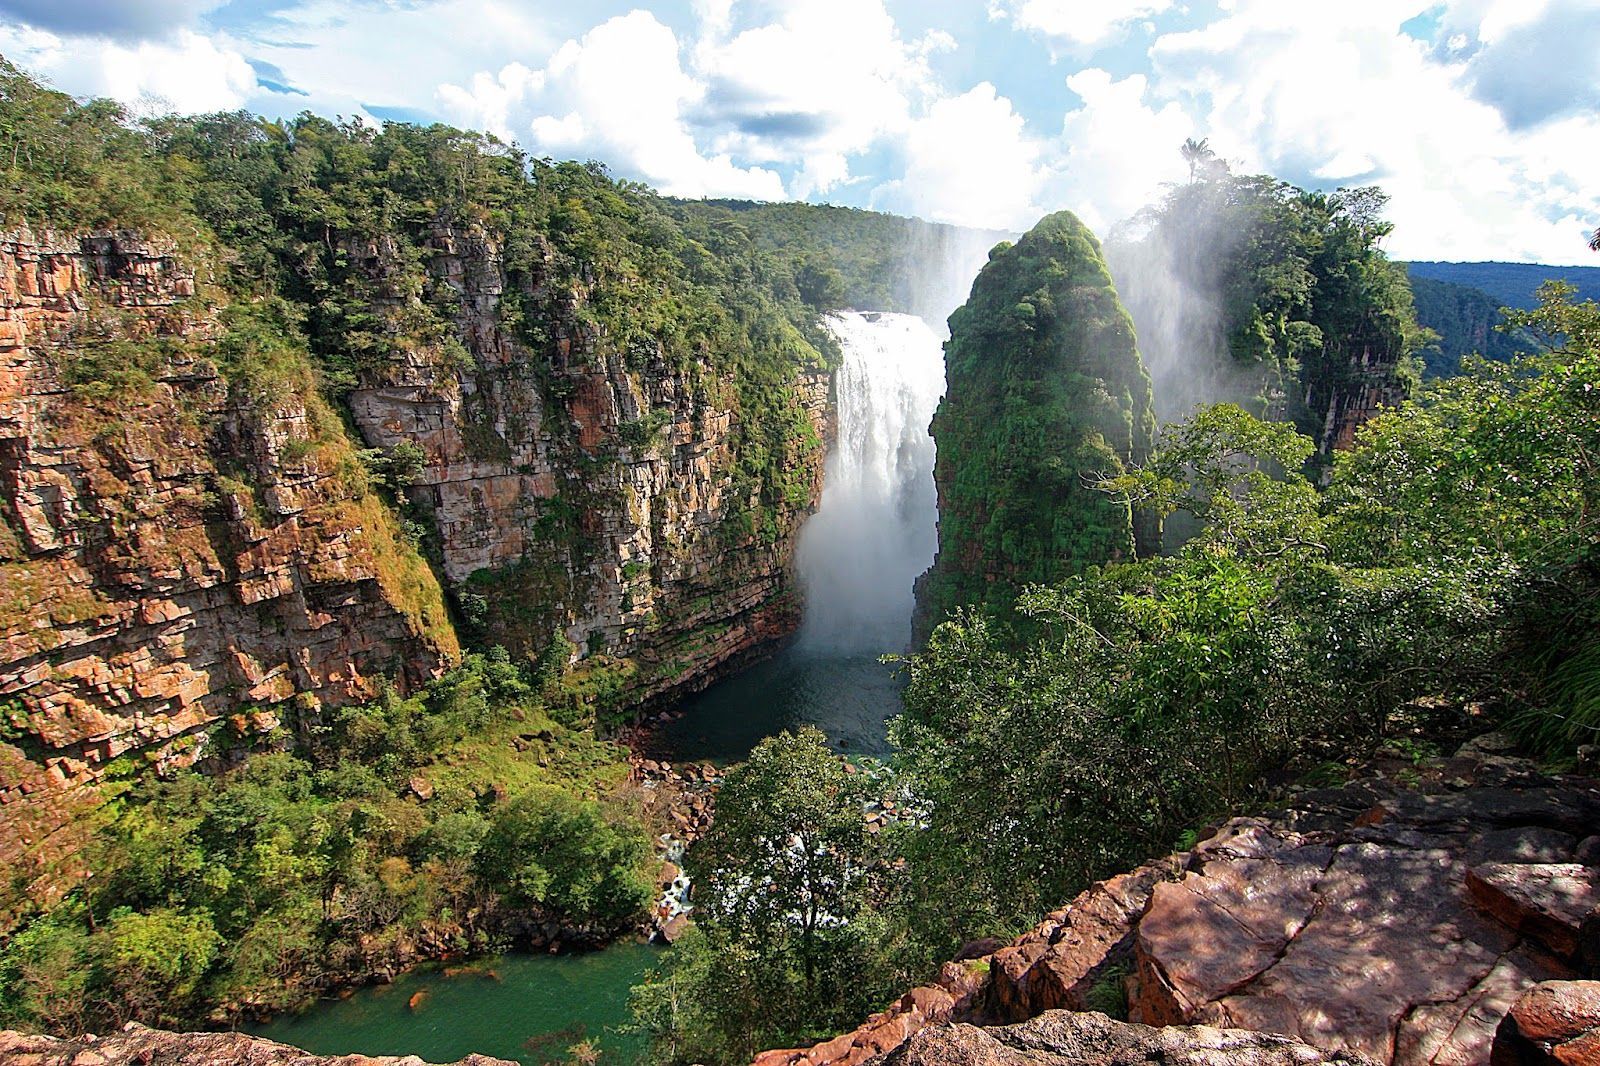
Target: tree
157,960
786,945
1197,154
552,851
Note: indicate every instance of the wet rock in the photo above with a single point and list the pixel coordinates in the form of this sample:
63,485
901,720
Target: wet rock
1064,1038
673,928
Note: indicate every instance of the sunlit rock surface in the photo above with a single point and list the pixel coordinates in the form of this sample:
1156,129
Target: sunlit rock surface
1375,921
168,554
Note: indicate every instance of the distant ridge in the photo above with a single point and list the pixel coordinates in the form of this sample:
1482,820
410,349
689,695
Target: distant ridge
1511,284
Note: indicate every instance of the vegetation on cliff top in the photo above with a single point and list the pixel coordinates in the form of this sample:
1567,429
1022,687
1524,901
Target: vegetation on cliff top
1452,560
849,257
1283,297
1046,393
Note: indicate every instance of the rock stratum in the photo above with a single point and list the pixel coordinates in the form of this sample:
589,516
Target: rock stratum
171,555
188,545
1374,921
583,488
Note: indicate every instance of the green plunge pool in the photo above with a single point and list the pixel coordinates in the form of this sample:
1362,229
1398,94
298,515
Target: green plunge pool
528,1008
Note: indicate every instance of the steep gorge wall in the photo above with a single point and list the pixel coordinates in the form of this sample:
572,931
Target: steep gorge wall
590,491
181,553
172,553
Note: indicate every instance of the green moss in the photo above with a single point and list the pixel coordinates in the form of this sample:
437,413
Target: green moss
1046,396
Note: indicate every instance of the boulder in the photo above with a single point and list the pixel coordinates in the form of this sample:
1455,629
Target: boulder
1555,1023
1548,901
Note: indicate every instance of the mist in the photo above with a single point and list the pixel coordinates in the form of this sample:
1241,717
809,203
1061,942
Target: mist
875,528
1166,277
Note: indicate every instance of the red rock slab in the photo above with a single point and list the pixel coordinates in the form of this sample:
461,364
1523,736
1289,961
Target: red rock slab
1391,931
1461,1032
1583,1051
1067,1038
1548,901
1054,966
1557,1011
1214,932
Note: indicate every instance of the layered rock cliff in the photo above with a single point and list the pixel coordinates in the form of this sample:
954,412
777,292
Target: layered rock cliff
1046,393
244,467
177,552
588,490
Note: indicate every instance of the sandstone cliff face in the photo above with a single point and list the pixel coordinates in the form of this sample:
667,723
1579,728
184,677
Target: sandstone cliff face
581,489
1349,387
170,551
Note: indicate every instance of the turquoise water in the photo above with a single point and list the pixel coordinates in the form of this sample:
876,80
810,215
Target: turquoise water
527,1008
533,1008
850,698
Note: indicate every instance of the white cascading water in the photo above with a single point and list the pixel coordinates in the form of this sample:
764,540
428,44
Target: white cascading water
875,529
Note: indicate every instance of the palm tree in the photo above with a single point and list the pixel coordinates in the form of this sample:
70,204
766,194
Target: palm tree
1195,153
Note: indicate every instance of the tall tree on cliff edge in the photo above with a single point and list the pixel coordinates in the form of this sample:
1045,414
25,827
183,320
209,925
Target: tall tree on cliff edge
1046,395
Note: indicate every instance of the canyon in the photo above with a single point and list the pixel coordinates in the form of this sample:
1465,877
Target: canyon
194,566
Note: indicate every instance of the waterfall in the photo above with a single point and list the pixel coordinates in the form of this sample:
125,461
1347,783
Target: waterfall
875,527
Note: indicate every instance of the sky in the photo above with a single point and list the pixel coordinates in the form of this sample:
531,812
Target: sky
1481,118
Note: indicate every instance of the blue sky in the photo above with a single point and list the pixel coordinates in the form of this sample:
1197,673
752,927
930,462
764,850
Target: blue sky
1480,117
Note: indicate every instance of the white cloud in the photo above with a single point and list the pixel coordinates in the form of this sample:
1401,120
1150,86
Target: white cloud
971,161
1349,99
1116,149
821,81
352,55
1487,136
1076,24
618,94
188,73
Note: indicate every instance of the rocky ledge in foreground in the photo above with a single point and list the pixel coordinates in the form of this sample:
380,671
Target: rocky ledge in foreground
139,1046
1065,1038
1397,923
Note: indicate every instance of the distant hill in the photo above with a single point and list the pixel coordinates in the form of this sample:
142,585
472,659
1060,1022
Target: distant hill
1511,284
1465,319
885,262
